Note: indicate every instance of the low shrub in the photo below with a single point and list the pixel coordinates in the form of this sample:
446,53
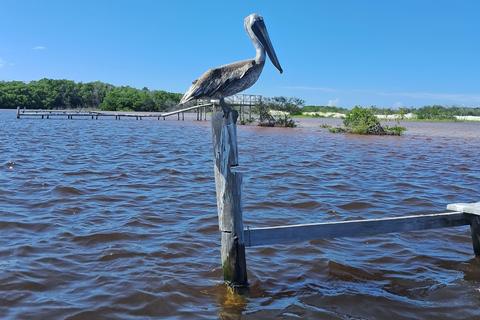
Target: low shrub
363,121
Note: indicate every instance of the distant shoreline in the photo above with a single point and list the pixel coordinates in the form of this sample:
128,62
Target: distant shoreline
408,116
319,115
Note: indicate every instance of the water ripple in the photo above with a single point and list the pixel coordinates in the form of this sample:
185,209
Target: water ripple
117,220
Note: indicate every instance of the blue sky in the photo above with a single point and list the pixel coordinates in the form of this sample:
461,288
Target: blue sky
384,53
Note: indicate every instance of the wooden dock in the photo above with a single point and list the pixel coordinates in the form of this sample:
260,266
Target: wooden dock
201,111
235,238
243,102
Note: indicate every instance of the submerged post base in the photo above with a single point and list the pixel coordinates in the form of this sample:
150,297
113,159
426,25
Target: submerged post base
234,264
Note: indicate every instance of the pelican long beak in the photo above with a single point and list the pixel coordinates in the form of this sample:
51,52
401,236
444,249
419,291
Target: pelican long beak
260,31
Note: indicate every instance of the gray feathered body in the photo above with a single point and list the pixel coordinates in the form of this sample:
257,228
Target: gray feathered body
225,81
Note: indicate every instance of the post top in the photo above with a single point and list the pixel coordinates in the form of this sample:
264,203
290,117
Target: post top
473,208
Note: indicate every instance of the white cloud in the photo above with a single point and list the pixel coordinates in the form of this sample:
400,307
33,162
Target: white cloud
39,48
333,103
397,105
2,62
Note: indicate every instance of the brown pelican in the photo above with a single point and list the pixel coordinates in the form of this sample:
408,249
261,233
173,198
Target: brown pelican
230,79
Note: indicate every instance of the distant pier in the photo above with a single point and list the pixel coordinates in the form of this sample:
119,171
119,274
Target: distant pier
201,111
241,101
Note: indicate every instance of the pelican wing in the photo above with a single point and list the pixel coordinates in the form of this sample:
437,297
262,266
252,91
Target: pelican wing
219,82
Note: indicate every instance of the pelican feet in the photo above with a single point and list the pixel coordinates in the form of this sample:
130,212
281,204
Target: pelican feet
226,111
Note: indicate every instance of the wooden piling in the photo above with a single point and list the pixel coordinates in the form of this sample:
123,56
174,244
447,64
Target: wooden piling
228,186
18,112
475,230
473,209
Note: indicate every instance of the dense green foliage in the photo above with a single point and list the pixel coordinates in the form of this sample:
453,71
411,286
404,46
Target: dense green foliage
283,109
435,112
431,112
363,121
324,109
66,94
440,112
131,99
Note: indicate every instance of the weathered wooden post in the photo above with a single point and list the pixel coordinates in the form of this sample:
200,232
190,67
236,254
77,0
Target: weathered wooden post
18,112
228,186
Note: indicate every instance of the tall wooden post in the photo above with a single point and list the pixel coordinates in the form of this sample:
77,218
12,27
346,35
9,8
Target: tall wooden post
228,186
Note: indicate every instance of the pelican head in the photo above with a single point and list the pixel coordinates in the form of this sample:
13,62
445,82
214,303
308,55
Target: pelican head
257,31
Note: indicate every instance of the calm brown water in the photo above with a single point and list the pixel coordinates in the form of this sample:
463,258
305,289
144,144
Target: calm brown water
109,219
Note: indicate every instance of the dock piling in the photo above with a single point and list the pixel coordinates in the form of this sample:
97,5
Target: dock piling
228,187
475,230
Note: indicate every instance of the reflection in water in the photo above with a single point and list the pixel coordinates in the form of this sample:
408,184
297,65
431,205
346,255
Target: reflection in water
233,302
118,220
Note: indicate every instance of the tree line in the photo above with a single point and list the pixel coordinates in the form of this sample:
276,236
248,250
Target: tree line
67,94
436,112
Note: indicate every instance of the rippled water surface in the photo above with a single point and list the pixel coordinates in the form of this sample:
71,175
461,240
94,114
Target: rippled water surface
116,219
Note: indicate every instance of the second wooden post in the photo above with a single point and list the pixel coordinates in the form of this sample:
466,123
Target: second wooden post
228,186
